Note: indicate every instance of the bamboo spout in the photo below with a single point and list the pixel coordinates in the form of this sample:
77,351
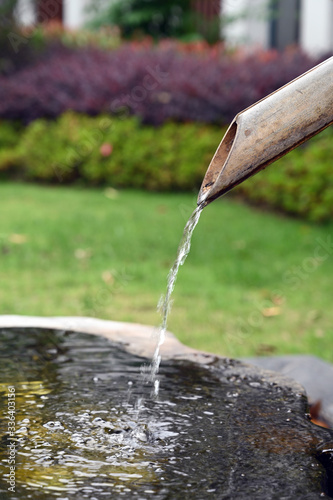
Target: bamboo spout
269,129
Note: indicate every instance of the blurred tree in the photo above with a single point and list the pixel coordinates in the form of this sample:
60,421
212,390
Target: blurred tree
158,18
7,26
208,18
7,12
15,51
49,11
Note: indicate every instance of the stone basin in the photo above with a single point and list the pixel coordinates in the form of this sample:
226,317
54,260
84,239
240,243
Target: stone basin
87,426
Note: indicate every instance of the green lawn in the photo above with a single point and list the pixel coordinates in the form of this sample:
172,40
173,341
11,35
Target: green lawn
254,282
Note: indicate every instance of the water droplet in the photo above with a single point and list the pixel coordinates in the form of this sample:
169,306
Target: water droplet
53,425
22,430
232,394
156,388
98,421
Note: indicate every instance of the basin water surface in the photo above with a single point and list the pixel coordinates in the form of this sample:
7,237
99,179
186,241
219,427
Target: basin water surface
221,431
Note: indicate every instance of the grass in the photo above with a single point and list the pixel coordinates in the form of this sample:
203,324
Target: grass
254,282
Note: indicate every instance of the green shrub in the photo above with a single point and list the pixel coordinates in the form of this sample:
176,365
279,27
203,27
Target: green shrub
9,134
104,150
48,34
113,151
300,183
136,18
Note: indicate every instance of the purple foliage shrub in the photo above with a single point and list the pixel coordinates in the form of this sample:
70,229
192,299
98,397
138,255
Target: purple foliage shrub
155,84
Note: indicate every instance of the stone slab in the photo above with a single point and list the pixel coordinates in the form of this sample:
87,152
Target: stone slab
138,339
314,374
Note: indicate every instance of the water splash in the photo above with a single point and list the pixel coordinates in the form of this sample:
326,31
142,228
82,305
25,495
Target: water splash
164,304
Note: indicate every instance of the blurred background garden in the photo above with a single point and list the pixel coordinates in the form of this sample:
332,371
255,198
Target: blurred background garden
110,112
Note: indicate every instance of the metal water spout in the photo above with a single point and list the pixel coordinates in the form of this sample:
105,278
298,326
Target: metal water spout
269,129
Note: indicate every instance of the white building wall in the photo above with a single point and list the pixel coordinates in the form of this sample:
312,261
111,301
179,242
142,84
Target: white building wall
316,29
251,24
246,22
25,12
75,13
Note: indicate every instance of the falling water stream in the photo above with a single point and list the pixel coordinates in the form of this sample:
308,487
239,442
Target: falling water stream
165,301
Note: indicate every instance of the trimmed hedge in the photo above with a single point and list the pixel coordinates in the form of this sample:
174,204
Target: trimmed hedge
301,183
9,133
111,151
121,153
157,84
